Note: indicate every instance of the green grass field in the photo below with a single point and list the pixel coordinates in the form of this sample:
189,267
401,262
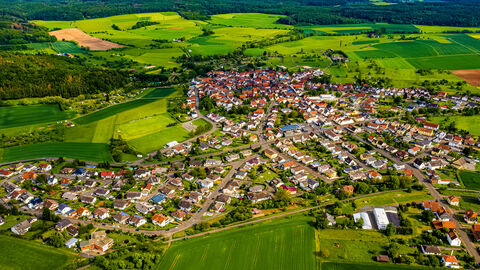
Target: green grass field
468,123
112,110
359,28
84,151
21,254
157,140
393,198
363,266
255,20
281,244
67,47
471,180
17,116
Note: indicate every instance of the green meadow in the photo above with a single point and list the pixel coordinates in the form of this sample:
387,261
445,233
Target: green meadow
66,47
17,116
254,20
471,180
21,254
281,244
468,123
98,152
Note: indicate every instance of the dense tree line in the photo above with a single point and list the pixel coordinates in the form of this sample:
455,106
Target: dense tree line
48,75
455,13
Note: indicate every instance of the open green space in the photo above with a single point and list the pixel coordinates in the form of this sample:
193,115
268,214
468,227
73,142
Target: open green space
360,28
280,244
67,47
84,151
17,116
471,180
157,140
255,20
393,198
468,123
160,93
364,266
112,110
21,254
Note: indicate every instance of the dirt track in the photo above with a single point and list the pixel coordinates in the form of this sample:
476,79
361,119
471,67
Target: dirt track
84,40
472,76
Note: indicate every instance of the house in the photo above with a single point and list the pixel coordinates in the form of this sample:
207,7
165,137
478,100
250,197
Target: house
450,261
50,204
99,241
270,154
45,167
476,232
34,203
134,195
160,220
414,150
63,224
158,199
88,199
418,163
431,250
185,205
383,258
453,239
71,243
101,213
121,204
258,197
63,209
470,216
121,217
136,220
144,207
348,189
21,228
72,230
453,200
438,224
178,215
330,218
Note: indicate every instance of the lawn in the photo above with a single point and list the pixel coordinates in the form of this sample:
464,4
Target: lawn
393,198
280,244
83,151
21,254
17,116
468,123
471,180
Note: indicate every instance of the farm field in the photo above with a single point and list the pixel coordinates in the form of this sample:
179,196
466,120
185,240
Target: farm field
362,266
468,123
281,244
84,40
393,198
66,47
17,116
84,151
360,28
21,254
471,76
255,20
471,180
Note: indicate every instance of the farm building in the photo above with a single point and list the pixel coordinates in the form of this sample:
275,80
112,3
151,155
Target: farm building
381,218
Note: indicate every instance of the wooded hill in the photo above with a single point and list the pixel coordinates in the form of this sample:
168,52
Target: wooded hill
452,12
49,75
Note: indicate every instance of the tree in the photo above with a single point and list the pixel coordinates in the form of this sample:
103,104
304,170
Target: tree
283,195
427,216
321,223
390,230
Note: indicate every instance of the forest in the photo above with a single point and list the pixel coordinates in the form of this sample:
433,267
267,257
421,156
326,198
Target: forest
298,12
49,75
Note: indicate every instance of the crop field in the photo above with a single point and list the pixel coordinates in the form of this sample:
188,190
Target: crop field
363,266
84,40
254,20
157,140
21,254
359,28
393,198
468,123
17,116
67,47
471,180
441,29
281,244
112,110
471,76
160,93
83,151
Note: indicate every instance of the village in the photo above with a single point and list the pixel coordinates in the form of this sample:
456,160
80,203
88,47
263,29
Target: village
296,143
